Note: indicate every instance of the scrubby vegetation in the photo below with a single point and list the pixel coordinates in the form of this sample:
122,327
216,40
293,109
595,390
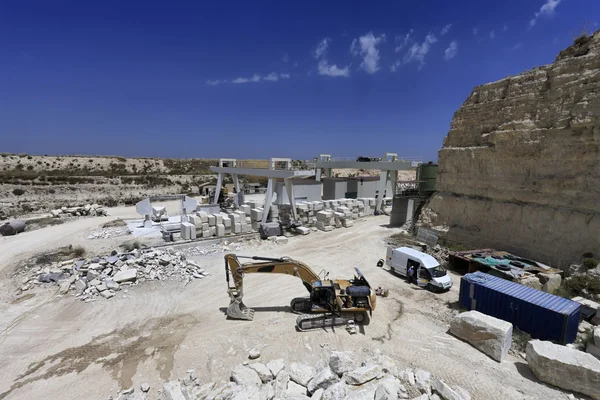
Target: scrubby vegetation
117,223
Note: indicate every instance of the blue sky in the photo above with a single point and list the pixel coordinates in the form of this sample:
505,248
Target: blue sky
261,79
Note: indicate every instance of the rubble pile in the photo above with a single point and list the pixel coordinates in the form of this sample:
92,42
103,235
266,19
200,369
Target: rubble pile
591,275
77,211
106,233
341,376
101,277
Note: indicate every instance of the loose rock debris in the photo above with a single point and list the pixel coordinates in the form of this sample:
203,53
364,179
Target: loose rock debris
76,211
341,376
106,233
92,278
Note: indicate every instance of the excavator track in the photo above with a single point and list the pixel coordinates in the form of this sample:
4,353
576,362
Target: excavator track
315,321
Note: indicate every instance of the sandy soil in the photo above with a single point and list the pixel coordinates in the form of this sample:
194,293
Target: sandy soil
68,349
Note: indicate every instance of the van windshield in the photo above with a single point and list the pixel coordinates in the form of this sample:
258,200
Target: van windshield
438,271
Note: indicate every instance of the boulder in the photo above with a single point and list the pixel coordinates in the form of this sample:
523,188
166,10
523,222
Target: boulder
111,284
266,392
342,361
80,286
253,354
532,282
423,381
317,395
275,366
244,393
322,380
91,275
65,285
387,364
364,374
245,376
263,372
407,376
281,382
550,282
301,373
294,388
337,391
596,336
128,275
172,391
388,388
564,367
490,335
592,349
445,391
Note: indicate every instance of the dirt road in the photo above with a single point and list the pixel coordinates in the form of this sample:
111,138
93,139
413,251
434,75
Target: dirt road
72,350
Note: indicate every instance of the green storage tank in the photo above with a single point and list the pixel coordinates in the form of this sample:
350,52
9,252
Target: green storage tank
427,175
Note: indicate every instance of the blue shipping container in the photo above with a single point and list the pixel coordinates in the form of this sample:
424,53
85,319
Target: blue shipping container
543,315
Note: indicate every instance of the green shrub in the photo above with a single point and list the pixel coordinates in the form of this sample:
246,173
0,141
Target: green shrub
18,192
575,286
114,224
129,246
581,39
590,263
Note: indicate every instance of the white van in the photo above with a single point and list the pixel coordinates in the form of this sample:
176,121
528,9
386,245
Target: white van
428,272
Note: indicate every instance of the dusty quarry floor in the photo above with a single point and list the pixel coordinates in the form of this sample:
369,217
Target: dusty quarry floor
68,349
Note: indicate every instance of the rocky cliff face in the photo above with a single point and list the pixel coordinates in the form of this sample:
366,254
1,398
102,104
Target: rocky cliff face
520,167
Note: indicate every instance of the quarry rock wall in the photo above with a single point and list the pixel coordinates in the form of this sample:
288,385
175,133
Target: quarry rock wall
520,167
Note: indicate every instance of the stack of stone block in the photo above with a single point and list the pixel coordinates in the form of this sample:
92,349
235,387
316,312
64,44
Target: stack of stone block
256,215
325,220
368,205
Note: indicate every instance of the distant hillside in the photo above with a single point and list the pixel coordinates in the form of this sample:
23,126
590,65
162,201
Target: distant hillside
34,183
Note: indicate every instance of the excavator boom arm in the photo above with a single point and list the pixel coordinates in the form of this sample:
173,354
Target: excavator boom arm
285,266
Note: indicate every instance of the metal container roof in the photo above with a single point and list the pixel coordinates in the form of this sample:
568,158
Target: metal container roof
525,293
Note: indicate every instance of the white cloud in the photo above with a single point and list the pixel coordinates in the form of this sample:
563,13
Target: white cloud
214,82
492,34
445,29
417,52
504,28
321,49
255,78
545,11
273,77
451,51
365,46
402,42
332,70
394,67
285,58
475,31
516,46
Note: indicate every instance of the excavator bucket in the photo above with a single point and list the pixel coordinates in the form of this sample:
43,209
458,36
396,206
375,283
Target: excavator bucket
237,310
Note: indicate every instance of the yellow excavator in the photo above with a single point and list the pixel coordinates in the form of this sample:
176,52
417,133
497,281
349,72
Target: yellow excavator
330,303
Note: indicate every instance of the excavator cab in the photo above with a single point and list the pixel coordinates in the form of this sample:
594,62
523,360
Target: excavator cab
323,294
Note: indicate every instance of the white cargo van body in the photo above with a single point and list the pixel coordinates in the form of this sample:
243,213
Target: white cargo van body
428,270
